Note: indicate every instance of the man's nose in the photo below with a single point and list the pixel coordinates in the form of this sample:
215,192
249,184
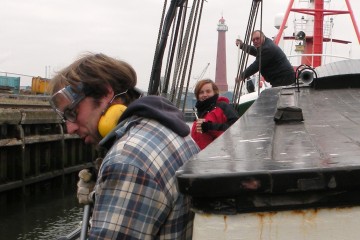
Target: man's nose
71,127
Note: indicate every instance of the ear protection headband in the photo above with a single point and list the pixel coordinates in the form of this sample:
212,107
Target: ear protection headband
111,116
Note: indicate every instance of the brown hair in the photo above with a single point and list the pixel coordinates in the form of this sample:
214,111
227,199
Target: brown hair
262,35
97,72
201,83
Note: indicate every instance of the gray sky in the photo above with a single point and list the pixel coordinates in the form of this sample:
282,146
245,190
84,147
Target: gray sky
39,35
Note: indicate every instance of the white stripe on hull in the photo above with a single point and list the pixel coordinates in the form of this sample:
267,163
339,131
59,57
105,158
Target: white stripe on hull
321,224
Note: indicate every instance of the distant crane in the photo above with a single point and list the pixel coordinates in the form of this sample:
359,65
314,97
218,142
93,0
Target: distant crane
202,73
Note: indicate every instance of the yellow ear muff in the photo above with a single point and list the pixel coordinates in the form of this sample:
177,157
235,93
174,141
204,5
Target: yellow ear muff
110,119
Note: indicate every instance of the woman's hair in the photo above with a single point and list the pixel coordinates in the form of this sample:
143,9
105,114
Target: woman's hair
96,72
201,83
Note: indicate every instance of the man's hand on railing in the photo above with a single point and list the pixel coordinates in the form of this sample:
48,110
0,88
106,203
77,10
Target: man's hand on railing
85,187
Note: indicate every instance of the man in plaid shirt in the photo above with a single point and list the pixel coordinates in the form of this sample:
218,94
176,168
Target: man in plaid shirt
136,195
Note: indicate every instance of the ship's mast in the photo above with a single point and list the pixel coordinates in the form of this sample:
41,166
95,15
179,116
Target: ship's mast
313,43
316,43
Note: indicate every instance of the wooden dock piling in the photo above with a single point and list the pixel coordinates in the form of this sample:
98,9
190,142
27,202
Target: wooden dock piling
35,148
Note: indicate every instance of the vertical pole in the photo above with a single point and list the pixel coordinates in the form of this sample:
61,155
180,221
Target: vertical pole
62,141
353,20
23,171
282,27
85,222
318,32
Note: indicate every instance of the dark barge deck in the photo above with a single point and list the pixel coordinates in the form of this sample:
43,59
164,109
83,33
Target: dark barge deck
295,164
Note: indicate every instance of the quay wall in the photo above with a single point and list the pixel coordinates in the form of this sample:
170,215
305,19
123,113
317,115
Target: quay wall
35,148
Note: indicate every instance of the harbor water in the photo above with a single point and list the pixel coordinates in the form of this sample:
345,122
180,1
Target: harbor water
55,213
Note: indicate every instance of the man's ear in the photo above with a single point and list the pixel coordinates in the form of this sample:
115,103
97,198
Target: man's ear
110,93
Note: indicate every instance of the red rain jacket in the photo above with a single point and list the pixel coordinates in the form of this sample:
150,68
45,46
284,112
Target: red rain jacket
217,120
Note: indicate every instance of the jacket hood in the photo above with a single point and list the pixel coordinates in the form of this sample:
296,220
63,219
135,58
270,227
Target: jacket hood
223,99
159,109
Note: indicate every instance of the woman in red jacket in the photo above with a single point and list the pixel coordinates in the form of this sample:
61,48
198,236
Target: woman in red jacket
214,113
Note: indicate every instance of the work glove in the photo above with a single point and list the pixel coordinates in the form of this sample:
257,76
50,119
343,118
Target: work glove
239,42
86,183
85,186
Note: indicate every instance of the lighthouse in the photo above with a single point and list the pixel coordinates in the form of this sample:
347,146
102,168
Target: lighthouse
220,75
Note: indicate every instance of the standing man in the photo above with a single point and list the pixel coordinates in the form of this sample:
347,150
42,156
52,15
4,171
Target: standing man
275,67
136,194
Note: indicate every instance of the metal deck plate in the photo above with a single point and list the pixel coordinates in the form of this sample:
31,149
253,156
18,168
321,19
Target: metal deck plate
319,154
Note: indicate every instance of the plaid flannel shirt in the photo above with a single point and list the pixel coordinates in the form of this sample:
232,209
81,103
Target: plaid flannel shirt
136,190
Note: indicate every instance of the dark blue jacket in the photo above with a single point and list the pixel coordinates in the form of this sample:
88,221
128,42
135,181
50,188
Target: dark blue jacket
275,67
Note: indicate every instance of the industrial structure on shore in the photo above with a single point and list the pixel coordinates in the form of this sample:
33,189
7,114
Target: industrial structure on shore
35,149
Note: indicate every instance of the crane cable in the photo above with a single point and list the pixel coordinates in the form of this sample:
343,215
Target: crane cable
246,49
161,45
244,54
179,56
181,63
193,52
194,24
260,51
182,44
171,55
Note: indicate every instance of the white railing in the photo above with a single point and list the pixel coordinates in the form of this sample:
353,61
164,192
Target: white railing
317,54
325,57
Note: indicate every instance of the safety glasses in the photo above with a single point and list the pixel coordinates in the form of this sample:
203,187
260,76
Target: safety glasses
65,101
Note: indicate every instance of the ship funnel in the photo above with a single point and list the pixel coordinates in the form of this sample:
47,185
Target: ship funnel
306,76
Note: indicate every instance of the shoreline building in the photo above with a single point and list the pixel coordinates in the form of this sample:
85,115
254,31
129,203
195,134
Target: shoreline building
220,75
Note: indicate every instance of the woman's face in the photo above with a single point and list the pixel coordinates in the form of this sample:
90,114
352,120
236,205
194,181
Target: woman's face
206,92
